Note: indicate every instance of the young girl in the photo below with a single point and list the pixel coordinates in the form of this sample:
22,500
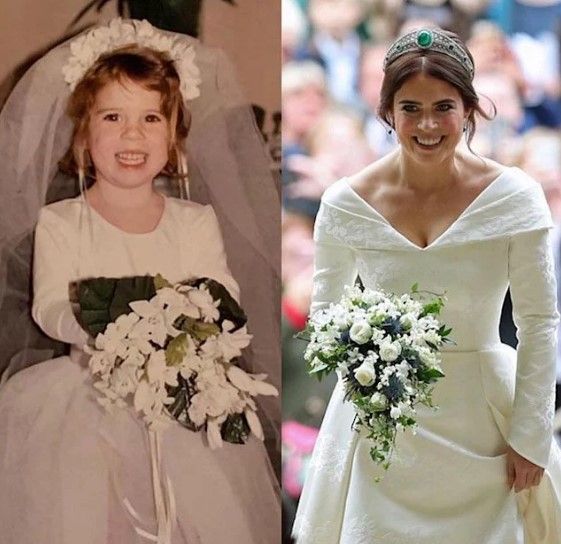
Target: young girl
75,472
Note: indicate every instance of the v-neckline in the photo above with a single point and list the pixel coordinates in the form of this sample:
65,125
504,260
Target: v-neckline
467,209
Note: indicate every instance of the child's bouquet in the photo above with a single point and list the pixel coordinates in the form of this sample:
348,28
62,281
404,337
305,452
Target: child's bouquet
172,351
385,348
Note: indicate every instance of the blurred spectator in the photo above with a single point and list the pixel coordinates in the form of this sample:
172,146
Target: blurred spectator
293,29
493,53
541,158
304,98
336,44
539,58
337,148
378,135
455,15
415,23
534,17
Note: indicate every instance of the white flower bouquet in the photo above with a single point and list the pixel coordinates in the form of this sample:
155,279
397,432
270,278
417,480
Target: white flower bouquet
385,348
172,351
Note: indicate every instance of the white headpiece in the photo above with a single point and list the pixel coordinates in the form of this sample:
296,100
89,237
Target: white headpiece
86,49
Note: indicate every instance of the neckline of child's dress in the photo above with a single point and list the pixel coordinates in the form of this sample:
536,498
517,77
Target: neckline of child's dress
446,231
103,220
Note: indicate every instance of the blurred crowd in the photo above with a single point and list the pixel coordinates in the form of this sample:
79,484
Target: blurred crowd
333,52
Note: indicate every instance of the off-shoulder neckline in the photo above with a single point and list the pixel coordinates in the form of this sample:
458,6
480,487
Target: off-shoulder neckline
487,189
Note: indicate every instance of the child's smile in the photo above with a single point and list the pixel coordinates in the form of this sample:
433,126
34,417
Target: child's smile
128,136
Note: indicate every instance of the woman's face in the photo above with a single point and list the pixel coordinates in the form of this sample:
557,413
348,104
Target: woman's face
128,135
428,116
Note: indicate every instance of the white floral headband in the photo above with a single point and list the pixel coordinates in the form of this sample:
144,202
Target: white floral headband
86,49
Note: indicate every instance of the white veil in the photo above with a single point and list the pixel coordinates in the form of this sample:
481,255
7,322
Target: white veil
228,168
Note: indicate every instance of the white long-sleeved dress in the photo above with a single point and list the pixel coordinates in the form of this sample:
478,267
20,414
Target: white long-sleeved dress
447,483
70,472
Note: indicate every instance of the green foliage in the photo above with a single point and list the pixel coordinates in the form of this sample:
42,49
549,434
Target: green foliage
182,393
160,282
235,429
429,375
176,350
433,307
197,329
103,300
229,309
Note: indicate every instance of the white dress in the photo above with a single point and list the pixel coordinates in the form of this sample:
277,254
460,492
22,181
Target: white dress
72,473
447,483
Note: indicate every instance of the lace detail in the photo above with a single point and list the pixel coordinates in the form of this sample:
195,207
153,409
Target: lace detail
311,533
500,240
485,222
361,530
337,225
330,457
546,264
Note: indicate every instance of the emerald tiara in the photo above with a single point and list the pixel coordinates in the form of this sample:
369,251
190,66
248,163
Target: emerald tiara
428,39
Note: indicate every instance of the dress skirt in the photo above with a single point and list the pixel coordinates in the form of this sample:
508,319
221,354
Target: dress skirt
73,473
447,483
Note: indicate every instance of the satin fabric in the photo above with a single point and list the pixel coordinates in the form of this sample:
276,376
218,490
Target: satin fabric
447,483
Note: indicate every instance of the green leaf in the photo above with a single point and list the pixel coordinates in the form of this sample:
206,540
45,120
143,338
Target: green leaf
415,288
228,307
432,307
303,335
235,429
103,300
176,350
182,393
429,374
198,329
160,282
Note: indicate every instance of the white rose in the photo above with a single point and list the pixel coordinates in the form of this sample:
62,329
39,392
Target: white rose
427,357
408,320
432,336
395,412
361,332
390,351
379,401
365,374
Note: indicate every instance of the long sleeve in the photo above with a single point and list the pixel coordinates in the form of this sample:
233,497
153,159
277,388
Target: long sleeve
534,292
53,271
334,263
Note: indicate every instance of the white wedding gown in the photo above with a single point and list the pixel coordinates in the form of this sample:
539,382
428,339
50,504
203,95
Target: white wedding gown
70,472
447,483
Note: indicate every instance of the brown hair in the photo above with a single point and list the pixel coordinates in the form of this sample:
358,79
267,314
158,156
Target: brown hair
435,64
154,71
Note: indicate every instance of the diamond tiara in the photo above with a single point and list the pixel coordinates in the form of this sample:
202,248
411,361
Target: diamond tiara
428,39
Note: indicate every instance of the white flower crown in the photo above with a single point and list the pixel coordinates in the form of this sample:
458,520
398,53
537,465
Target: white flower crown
86,49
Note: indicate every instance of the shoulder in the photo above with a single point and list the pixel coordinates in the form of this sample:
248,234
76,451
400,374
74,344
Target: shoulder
191,214
374,178
63,212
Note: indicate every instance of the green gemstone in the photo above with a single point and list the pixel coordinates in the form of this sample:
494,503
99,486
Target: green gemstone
424,38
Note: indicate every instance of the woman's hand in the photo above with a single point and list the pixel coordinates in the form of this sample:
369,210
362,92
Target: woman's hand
522,474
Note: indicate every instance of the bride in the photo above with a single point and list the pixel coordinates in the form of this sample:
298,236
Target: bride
482,469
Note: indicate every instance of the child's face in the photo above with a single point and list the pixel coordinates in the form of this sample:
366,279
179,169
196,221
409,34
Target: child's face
128,136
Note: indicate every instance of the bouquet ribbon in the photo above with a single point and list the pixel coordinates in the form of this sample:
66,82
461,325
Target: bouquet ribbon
164,498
